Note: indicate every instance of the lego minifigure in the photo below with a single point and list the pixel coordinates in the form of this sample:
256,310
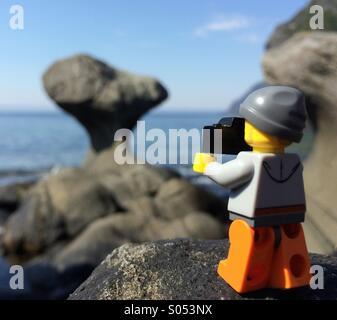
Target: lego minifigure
267,200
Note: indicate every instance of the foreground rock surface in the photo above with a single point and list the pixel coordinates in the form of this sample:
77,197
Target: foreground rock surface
103,98
308,61
182,269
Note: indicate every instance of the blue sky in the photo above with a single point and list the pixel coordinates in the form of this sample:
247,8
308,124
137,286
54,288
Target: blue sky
206,52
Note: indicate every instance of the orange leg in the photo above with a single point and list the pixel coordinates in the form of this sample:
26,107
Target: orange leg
248,265
291,263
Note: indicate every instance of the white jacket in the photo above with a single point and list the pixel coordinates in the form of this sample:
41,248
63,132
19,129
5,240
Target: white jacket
262,183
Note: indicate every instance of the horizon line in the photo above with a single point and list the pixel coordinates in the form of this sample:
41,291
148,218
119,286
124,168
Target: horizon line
154,110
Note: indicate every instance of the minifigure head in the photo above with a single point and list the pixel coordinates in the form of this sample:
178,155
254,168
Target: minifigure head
263,142
275,117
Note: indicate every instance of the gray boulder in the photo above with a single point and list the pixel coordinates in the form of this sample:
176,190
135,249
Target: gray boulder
71,221
63,205
301,22
102,98
106,234
182,269
56,208
308,61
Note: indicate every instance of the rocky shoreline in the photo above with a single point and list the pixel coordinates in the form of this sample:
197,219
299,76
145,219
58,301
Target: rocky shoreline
64,225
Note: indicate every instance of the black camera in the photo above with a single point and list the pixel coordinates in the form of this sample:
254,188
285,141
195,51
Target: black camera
225,137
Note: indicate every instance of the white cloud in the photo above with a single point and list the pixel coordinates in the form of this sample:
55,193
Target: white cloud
223,24
250,38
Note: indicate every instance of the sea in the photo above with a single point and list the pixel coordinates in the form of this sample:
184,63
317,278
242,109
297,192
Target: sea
35,143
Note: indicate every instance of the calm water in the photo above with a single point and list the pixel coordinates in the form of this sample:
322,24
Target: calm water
37,141
33,142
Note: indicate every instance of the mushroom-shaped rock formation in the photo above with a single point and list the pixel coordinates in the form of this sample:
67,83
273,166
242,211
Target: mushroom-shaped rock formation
103,98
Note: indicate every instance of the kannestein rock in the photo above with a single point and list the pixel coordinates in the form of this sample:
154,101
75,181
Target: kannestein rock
183,269
308,61
301,22
103,98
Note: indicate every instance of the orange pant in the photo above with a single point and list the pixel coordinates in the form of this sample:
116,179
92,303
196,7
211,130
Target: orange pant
254,262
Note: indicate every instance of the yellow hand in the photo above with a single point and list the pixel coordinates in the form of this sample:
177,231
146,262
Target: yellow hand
201,160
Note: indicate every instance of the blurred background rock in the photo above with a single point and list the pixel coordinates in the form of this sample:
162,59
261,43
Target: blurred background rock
67,222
